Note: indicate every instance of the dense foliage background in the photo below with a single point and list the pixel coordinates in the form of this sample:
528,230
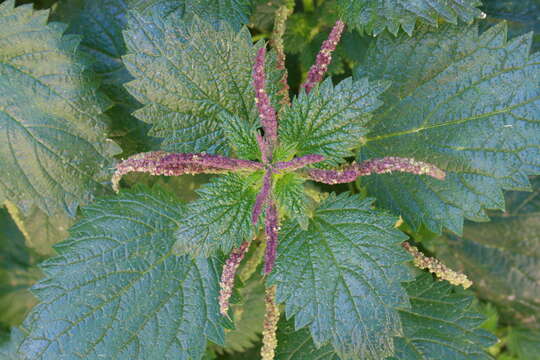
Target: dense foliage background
502,257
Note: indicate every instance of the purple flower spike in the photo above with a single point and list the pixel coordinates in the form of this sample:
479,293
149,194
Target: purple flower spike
227,276
376,166
271,228
263,147
333,176
262,197
299,163
324,57
392,163
266,112
172,164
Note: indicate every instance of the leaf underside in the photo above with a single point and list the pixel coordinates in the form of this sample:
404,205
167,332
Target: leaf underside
502,258
465,102
342,275
374,16
53,149
115,291
187,73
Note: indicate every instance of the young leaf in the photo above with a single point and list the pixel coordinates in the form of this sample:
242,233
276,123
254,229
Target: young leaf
441,324
464,102
53,149
219,219
330,120
342,276
373,16
290,194
502,257
116,291
187,73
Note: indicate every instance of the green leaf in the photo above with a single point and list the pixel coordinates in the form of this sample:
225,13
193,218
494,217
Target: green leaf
342,276
53,149
441,324
331,119
374,16
465,102
116,291
183,95
298,345
100,24
240,135
219,219
524,343
8,348
291,198
502,258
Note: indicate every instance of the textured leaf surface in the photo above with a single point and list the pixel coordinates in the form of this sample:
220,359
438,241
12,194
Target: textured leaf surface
100,24
441,324
53,149
219,219
188,73
342,276
291,197
115,291
330,120
374,16
524,343
502,257
465,102
8,347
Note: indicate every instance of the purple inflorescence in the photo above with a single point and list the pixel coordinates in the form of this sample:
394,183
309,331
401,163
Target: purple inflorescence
271,227
262,197
375,166
173,164
324,57
267,113
227,276
299,162
263,147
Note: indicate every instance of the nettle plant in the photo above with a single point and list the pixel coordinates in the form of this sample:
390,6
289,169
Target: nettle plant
435,122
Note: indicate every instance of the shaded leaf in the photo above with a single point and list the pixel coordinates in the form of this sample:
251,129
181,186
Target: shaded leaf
503,258
331,119
374,16
116,291
342,275
53,149
524,343
219,219
464,102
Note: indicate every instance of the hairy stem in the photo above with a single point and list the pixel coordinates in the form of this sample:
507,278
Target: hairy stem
267,113
271,228
324,57
262,197
434,266
226,284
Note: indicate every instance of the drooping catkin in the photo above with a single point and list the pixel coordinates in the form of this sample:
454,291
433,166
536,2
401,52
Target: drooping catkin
434,266
271,318
228,274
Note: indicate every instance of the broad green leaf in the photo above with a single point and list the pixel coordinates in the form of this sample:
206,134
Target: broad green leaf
465,102
9,346
522,16
187,73
53,148
116,291
502,258
219,219
374,16
100,24
341,276
291,198
524,343
331,119
298,345
241,136
441,324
